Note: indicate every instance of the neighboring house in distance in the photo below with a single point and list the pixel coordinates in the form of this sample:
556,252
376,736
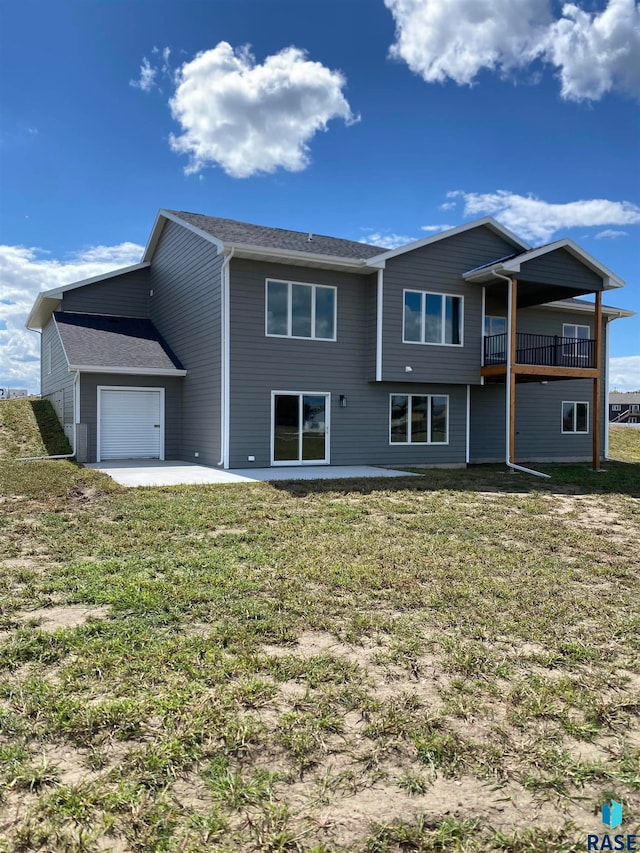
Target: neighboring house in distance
624,408
240,345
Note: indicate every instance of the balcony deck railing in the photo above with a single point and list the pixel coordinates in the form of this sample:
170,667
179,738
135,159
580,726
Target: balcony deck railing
542,350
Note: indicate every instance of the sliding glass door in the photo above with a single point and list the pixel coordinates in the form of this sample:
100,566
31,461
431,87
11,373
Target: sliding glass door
300,428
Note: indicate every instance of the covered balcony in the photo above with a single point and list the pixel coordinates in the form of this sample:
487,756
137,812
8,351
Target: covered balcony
540,355
550,274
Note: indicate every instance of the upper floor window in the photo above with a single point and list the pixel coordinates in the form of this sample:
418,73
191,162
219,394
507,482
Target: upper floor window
616,408
300,310
432,318
635,407
494,326
580,333
575,417
569,330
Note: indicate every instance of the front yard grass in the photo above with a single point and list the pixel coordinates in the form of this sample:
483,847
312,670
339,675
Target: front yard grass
445,662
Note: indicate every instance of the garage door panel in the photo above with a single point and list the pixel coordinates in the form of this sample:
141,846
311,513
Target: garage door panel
130,424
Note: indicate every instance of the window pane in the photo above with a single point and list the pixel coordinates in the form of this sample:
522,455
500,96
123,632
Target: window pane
399,418
567,417
286,428
325,303
439,419
581,417
498,325
277,308
453,320
412,316
301,310
313,428
582,332
433,310
419,407
569,331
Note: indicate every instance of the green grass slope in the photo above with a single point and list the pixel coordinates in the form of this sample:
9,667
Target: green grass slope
30,428
624,444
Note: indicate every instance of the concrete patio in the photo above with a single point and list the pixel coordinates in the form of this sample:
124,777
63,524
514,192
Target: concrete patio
143,472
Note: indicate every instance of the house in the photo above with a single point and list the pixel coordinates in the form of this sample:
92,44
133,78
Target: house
239,345
624,408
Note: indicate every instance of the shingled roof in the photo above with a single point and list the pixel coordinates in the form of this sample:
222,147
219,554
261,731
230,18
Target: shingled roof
96,340
232,231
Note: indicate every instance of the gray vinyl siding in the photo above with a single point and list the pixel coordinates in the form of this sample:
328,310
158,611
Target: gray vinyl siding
124,295
561,268
538,407
359,434
185,308
438,268
89,383
57,385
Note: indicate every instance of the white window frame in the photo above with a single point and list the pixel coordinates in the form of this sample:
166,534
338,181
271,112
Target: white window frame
313,287
417,443
616,407
635,408
423,294
573,349
633,420
291,463
574,431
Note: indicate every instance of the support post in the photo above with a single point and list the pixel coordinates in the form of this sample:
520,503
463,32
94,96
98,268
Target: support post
597,382
511,374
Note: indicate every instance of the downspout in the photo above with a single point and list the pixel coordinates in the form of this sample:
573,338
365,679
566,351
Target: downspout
74,433
379,320
224,358
507,383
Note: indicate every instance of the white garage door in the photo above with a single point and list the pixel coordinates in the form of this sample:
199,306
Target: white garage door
131,425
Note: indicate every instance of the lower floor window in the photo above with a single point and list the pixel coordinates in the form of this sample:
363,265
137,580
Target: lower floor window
575,417
419,419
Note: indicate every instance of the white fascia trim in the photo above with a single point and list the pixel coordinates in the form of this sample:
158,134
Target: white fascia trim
489,221
56,292
66,357
586,308
158,225
611,279
128,371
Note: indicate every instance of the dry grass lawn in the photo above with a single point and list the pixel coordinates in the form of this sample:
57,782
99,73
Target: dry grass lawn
448,662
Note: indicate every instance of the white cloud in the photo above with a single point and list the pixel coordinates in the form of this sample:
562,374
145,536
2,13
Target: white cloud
609,234
455,39
24,272
535,219
388,241
448,205
624,373
250,118
435,228
594,52
147,79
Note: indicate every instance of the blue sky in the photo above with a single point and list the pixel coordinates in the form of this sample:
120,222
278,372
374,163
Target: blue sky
372,120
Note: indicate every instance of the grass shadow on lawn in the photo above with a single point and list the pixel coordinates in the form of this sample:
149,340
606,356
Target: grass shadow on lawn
572,479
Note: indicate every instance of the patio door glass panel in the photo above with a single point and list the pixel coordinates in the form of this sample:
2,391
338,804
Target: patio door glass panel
300,428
